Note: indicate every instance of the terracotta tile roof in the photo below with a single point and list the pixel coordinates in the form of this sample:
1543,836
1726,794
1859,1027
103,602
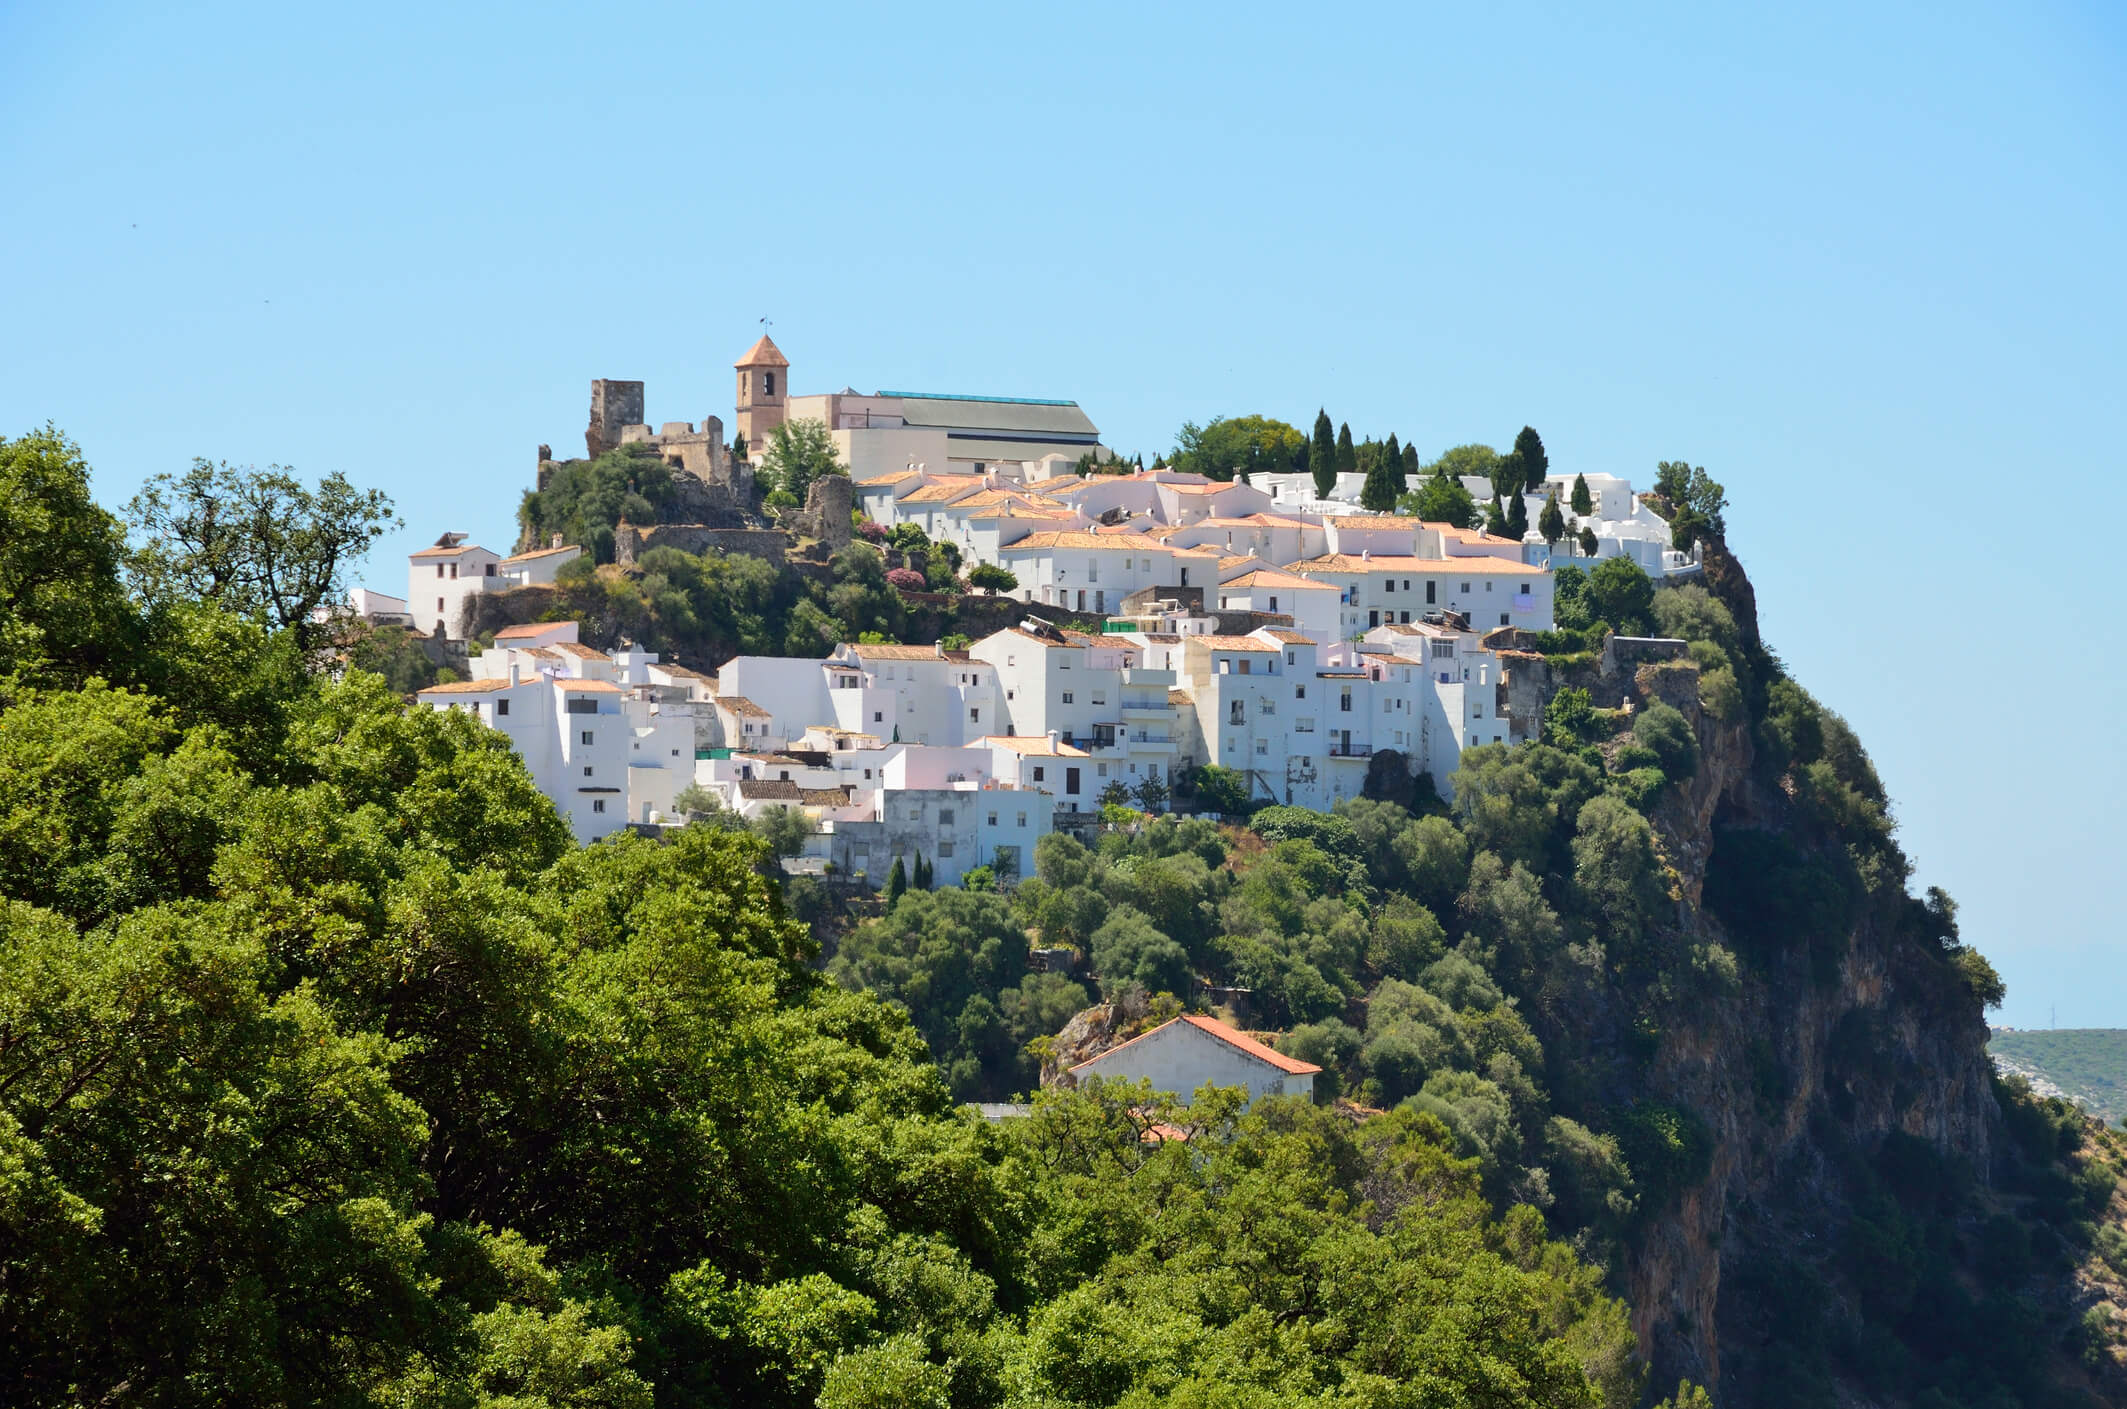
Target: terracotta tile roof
941,492
542,553
1392,562
740,705
594,687
1215,487
1233,643
1271,577
763,354
1377,521
992,498
684,673
466,687
531,628
1036,746
1016,511
895,478
1211,553
777,790
448,552
1290,638
865,652
1236,561
1232,1037
1068,538
578,650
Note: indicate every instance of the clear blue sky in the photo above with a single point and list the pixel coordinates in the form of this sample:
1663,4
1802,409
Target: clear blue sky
1866,268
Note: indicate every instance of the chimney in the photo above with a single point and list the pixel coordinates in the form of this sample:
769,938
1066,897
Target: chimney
1053,737
513,668
555,542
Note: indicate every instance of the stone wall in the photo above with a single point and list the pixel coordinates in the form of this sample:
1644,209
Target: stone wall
826,515
630,542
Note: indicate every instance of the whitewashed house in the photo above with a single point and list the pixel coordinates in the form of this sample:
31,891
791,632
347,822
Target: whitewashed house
1191,1052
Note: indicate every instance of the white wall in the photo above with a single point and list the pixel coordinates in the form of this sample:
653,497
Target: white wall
1179,1058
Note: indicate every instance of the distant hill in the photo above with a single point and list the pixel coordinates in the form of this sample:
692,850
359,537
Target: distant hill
2087,1065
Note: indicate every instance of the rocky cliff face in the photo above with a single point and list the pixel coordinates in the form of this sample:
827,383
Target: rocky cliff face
1825,1042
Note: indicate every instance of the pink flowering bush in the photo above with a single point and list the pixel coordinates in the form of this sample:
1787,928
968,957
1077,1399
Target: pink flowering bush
906,579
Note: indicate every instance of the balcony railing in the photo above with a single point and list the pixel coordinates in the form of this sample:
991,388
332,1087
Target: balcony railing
1351,750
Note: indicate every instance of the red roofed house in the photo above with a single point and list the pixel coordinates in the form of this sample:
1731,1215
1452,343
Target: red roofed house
1193,1051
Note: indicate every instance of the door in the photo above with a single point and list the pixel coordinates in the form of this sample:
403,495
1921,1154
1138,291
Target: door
1071,781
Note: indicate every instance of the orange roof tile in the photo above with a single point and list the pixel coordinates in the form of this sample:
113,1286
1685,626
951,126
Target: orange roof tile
595,687
897,652
1290,638
578,650
1036,746
530,628
1232,643
466,687
740,705
763,354
542,553
1393,562
1232,1037
1271,577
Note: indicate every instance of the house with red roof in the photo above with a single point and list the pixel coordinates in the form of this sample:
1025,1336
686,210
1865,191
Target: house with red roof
1192,1051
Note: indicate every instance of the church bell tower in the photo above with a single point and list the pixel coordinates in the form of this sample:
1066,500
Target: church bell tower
764,375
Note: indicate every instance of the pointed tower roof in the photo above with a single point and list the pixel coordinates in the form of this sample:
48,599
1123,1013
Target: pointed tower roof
763,354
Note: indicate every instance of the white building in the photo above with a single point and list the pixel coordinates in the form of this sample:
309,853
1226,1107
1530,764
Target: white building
605,754
1190,1052
441,577
1378,588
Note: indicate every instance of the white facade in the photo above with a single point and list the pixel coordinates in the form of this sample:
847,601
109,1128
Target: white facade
1381,588
440,578
1190,1052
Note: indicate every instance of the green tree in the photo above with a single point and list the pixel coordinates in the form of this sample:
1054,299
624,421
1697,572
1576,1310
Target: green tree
1129,949
394,653
1115,794
1347,453
63,611
1695,504
1551,523
1619,592
1495,518
798,453
1322,456
1589,546
258,544
1151,793
584,499
1384,482
992,579
1234,447
1517,516
1535,463
1569,719
784,829
1442,500
1583,500
1222,790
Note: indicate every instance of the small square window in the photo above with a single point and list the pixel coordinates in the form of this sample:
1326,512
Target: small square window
993,819
587,736
878,716
945,816
598,804
1037,772
587,770
502,707
1067,697
1022,819
945,848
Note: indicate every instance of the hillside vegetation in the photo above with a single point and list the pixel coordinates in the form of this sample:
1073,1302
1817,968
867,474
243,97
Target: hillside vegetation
2086,1065
332,1072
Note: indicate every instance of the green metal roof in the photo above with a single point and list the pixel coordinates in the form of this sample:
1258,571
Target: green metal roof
955,396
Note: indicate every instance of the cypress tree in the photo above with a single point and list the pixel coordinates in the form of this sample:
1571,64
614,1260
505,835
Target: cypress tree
1495,518
1410,463
896,883
923,873
1588,545
1392,458
1551,523
1517,516
1583,501
1322,458
1534,462
1347,453
1384,481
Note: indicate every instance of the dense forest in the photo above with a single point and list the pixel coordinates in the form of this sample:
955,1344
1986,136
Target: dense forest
331,1072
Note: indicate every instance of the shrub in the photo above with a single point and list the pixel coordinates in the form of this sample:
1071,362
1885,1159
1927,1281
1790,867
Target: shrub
1664,729
906,580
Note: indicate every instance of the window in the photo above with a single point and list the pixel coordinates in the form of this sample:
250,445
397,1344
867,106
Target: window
1022,819
1234,714
1100,699
502,707
454,572
1011,694
1429,586
945,847
768,384
598,804
1344,703
974,716
1266,706
490,569
439,604
1389,586
1443,650
579,705
878,716
1262,746
1067,697
1071,781
1476,711
439,573
1488,584
1406,584
1465,586
1247,666
1473,741
1503,619
1037,772
1373,618
1299,692
945,816
675,753
587,736
587,770
993,819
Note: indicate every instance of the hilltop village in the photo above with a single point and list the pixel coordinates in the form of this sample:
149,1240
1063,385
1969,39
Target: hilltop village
1265,635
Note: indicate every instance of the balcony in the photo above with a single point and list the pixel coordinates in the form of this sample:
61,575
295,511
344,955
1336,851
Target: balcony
1351,750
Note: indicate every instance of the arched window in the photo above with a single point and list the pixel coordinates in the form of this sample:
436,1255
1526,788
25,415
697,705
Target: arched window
768,384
